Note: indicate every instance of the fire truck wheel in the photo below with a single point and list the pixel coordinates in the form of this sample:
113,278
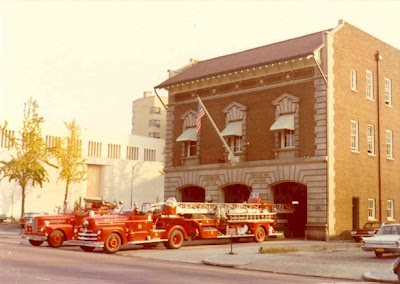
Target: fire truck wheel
259,234
87,249
175,240
56,239
112,243
35,243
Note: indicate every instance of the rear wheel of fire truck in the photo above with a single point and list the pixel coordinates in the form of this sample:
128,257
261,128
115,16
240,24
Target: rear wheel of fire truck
175,240
35,243
112,243
259,234
56,239
87,249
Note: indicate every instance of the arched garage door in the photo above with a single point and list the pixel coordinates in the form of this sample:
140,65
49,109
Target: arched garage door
236,193
293,224
193,194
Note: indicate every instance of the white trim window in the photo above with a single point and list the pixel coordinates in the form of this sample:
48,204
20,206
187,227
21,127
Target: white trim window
370,140
369,88
354,136
390,210
389,144
353,80
388,92
287,138
190,148
371,209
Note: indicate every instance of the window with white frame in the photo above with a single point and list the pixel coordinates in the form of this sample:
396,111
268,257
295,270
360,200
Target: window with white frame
154,123
371,209
390,210
353,80
369,88
287,138
388,91
389,143
370,139
190,148
354,135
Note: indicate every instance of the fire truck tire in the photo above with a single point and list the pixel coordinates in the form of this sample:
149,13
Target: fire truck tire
259,234
112,243
175,240
56,239
87,249
35,243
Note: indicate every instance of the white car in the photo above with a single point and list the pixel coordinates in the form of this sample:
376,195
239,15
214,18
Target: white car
386,240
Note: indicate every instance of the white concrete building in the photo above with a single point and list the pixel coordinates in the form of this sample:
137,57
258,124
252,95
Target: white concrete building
121,167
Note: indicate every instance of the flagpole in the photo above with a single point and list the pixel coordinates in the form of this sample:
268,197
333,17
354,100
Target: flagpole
231,156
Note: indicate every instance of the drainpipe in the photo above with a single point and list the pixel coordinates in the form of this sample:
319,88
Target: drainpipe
378,57
155,91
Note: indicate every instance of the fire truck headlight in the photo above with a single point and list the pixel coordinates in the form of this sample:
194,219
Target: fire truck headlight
46,223
85,223
75,230
42,229
98,232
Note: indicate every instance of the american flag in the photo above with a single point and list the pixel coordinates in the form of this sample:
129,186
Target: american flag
200,114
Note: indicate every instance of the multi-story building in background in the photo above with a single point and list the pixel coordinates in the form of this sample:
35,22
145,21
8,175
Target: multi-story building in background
312,121
120,167
149,116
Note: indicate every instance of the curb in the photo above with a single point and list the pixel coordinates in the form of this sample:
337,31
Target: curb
386,276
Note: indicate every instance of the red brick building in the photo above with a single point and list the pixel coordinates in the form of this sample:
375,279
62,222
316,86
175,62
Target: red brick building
312,120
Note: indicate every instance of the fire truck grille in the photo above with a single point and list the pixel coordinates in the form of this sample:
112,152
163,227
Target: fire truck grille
87,236
34,225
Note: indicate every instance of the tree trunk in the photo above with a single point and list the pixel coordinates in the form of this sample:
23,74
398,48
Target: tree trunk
23,201
66,193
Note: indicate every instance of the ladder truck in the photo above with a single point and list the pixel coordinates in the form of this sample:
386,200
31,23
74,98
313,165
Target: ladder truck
172,223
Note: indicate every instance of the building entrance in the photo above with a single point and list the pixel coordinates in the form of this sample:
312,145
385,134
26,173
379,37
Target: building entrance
292,224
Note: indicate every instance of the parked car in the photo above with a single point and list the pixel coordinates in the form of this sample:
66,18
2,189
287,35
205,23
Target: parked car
368,230
27,217
386,240
396,268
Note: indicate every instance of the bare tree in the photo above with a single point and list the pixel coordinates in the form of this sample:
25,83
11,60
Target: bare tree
29,153
68,152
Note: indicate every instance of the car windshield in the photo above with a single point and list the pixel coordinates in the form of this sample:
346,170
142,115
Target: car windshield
389,230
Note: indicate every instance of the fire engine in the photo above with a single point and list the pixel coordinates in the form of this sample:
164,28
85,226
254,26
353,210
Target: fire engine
171,223
57,228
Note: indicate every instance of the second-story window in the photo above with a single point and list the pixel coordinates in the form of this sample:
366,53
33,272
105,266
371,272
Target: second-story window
154,123
369,88
353,80
389,143
354,136
233,135
388,92
285,125
370,140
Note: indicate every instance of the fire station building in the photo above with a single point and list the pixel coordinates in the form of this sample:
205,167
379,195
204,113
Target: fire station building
311,121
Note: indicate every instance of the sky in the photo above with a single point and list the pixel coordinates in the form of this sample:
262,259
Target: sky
89,59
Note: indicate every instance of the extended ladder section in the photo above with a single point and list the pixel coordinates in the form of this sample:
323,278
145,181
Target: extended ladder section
213,208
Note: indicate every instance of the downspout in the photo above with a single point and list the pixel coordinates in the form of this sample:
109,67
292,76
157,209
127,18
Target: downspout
155,91
378,57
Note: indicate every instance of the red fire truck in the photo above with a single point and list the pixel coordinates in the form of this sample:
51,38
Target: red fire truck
171,223
55,229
